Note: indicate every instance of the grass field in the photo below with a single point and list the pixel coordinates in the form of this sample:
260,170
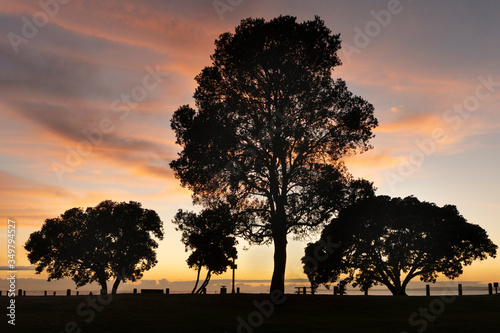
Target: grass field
220,313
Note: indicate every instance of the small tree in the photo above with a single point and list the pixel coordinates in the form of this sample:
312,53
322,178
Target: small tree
111,240
341,287
391,241
209,235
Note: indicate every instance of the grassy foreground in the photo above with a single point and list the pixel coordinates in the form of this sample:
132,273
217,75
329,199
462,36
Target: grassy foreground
219,313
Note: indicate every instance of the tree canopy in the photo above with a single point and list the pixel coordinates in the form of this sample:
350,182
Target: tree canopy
390,241
110,240
209,235
272,126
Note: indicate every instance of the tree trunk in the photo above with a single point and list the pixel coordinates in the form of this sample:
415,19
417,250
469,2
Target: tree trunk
396,287
205,283
115,285
104,285
197,280
278,280
102,280
399,291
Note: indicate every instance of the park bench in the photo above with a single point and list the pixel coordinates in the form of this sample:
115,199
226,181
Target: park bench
151,291
302,290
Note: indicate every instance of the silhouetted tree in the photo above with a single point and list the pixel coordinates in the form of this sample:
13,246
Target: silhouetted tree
391,241
210,237
111,240
342,287
271,127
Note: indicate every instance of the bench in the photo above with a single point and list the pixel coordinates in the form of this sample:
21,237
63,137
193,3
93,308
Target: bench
303,289
151,291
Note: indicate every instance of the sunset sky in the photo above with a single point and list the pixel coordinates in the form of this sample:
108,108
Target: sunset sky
70,136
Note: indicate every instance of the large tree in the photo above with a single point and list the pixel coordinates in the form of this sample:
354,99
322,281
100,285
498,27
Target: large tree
272,126
209,235
111,240
390,241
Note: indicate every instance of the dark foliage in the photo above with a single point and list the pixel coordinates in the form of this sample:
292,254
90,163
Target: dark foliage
111,240
391,241
209,236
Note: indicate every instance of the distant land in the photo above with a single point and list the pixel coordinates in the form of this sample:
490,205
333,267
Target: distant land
37,286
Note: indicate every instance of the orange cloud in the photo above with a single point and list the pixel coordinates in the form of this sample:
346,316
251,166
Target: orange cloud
412,124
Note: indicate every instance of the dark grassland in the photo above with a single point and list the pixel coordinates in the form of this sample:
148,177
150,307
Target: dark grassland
219,313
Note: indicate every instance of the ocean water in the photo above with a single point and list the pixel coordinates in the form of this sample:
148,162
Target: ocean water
436,291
